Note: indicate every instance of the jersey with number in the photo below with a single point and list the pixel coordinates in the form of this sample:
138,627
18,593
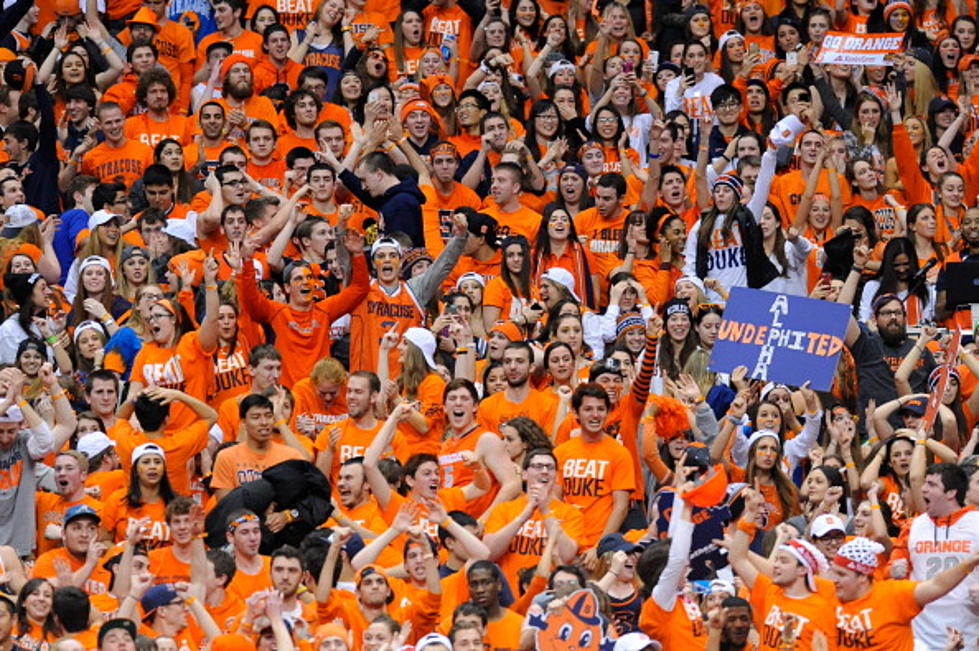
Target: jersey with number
931,546
374,316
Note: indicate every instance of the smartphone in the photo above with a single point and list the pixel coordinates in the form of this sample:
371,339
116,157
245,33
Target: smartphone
451,309
653,59
753,48
792,58
537,306
627,67
688,72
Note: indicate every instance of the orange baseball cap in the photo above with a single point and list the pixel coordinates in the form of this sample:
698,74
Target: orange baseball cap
66,8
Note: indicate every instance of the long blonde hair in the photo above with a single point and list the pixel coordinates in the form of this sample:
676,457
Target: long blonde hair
414,370
923,89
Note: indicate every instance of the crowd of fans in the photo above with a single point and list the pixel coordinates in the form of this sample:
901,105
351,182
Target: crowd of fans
357,325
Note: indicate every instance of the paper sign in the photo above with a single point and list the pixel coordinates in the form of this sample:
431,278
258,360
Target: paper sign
780,337
860,49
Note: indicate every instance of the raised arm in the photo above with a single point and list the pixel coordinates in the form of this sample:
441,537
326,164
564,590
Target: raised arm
379,485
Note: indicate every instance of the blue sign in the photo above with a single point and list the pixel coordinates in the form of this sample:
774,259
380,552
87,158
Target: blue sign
779,337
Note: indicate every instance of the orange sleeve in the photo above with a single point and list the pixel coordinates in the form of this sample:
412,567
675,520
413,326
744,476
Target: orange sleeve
223,475
900,550
650,453
497,295
916,187
537,585
186,82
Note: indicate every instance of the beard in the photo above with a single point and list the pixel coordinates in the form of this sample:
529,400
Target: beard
893,335
239,91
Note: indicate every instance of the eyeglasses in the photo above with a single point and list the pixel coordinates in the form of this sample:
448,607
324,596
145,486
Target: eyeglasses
608,119
156,316
889,313
547,116
728,105
542,466
152,297
234,184
463,107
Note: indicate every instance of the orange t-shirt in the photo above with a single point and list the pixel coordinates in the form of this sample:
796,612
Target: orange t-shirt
497,294
245,585
526,546
179,446
125,164
255,108
590,472
51,509
680,628
368,515
815,611
117,514
522,221
881,619
167,568
240,464
145,129
884,216
248,44
44,567
452,499
186,367
231,376
603,237
488,269
353,442
429,394
309,403
108,481
787,190
271,174
437,213
539,406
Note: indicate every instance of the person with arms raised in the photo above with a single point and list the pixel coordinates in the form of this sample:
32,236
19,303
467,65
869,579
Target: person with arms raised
789,598
302,324
878,614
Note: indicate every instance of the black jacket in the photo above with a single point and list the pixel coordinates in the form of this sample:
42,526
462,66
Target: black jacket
293,484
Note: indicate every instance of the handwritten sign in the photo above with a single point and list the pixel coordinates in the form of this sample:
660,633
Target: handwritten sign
779,337
860,49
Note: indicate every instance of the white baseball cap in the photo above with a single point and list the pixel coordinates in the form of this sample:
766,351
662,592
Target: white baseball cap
147,448
100,217
94,444
562,277
826,523
425,341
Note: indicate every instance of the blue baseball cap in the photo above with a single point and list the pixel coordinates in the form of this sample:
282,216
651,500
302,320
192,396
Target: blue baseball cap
81,511
158,595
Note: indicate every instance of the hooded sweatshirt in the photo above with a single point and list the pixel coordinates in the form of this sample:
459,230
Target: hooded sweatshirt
400,206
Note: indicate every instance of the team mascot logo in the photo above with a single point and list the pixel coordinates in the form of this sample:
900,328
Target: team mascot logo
574,625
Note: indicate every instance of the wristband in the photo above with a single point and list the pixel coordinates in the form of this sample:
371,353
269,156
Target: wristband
749,528
461,350
733,419
875,506
190,600
53,340
348,28
22,403
210,287
281,421
654,156
446,522
850,465
60,394
873,439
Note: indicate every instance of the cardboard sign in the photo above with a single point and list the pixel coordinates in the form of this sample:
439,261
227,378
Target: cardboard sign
780,337
860,49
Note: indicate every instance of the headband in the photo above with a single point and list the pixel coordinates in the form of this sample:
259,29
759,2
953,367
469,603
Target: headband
240,520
